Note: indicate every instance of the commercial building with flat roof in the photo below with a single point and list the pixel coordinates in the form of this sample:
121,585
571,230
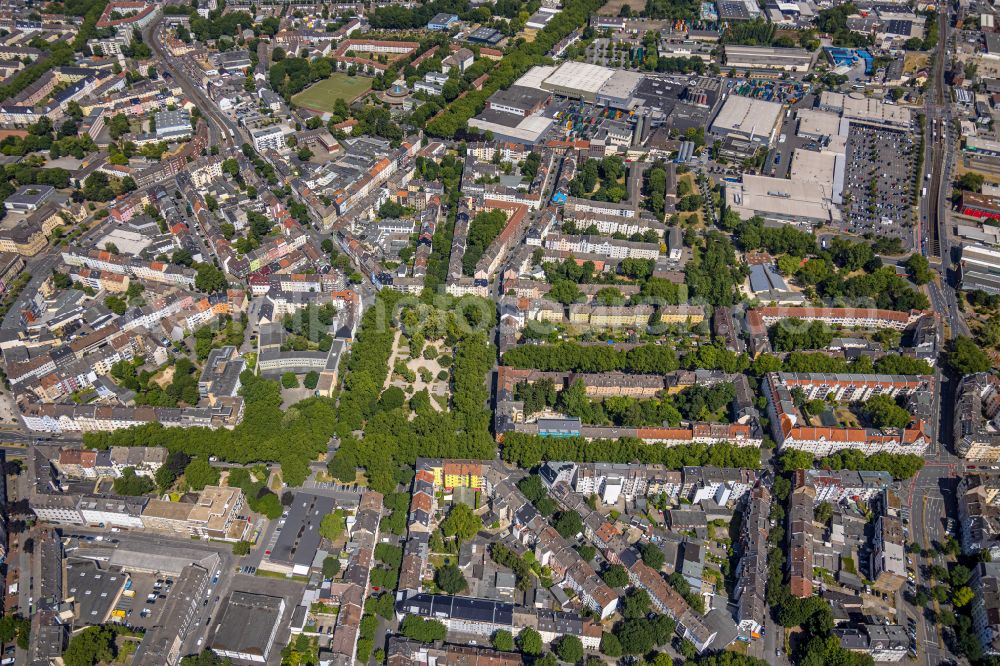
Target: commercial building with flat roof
767,57
518,100
978,145
820,166
527,130
816,124
578,80
748,118
247,626
867,110
980,269
299,540
617,91
173,124
980,205
94,591
785,201
738,10
535,76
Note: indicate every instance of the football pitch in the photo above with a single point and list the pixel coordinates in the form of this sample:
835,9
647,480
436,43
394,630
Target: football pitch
322,94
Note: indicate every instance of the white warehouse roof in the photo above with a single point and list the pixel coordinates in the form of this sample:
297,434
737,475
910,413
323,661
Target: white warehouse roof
534,77
580,76
782,200
747,117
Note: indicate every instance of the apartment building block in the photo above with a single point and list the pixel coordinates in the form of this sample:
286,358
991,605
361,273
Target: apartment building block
791,429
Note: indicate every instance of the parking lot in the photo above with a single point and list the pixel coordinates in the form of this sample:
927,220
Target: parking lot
878,181
151,592
615,53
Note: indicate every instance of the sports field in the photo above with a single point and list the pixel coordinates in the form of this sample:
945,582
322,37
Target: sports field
322,94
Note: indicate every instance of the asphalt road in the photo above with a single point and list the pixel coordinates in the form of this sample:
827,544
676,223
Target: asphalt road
218,124
931,492
21,439
928,503
767,646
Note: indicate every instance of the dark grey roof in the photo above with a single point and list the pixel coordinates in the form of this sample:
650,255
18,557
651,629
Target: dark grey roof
300,538
247,623
175,617
459,608
93,589
521,97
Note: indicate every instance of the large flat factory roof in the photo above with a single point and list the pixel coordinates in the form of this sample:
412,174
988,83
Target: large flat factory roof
578,76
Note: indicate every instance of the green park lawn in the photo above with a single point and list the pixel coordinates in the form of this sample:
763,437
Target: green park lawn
322,94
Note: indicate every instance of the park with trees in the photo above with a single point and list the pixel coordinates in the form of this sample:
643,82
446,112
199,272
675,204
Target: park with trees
395,436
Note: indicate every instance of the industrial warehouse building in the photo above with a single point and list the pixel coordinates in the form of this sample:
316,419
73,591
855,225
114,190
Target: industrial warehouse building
748,118
824,167
785,201
247,626
866,110
578,80
617,92
517,114
739,10
765,57
518,100
591,83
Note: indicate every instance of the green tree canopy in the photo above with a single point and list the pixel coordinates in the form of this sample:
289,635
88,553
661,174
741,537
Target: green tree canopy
568,524
425,631
333,525
461,522
636,604
91,646
919,269
331,566
570,649
883,412
610,645
503,641
199,473
966,357
450,579
565,292
130,483
652,555
530,641
615,575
